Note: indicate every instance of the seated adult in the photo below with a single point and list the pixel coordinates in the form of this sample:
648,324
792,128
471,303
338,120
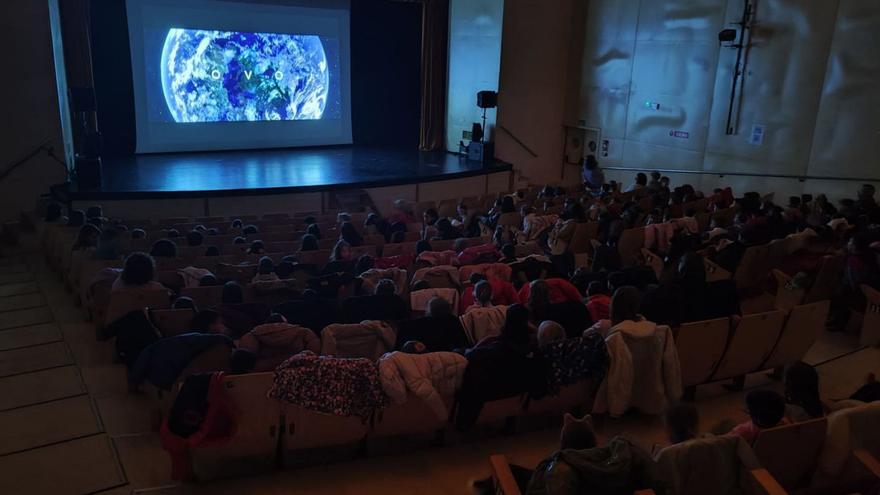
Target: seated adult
501,367
276,340
138,272
384,304
439,329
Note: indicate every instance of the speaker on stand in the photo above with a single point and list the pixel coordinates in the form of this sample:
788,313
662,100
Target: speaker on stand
88,142
480,150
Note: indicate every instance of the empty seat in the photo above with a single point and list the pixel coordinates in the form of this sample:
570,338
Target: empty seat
790,453
803,326
700,348
254,443
753,341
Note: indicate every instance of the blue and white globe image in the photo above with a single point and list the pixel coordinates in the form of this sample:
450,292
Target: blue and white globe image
225,76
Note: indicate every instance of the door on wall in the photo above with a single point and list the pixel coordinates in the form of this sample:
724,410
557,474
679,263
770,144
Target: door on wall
579,142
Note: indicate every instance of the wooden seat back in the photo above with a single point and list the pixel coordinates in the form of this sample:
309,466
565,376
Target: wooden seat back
700,347
790,452
802,328
752,342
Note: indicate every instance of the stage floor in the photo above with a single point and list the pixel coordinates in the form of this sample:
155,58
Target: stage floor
230,173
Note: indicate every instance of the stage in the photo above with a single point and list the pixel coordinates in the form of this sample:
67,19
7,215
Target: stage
278,171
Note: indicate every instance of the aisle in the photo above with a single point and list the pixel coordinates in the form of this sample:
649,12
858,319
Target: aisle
51,434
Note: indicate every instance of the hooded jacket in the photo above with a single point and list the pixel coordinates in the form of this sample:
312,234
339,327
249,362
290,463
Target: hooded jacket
644,371
433,377
618,467
273,343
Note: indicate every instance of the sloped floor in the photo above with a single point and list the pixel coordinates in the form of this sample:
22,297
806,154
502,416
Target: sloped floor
68,424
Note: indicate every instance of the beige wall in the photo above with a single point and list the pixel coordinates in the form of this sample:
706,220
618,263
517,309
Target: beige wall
536,43
813,81
30,105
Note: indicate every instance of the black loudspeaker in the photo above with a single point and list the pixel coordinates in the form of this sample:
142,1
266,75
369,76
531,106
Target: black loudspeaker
88,173
487,99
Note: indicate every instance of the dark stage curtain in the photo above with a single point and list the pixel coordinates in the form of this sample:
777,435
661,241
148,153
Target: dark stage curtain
435,41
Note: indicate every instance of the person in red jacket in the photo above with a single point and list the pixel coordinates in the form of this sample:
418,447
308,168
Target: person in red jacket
557,290
503,292
598,301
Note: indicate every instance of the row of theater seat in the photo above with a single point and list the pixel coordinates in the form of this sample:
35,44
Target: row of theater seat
827,456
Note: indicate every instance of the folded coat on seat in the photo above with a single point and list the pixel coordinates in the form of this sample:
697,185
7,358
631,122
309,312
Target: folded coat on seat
430,377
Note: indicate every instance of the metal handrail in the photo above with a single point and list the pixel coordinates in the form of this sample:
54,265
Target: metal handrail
518,141
742,174
44,146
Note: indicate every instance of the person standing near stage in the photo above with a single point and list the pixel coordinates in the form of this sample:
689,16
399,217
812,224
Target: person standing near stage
592,173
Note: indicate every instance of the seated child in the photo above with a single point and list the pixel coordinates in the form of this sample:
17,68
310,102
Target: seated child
266,271
767,410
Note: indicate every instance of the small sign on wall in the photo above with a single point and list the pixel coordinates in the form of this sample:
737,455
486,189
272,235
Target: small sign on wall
680,134
756,138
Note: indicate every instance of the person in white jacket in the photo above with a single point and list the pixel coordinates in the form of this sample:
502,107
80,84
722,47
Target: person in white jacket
644,370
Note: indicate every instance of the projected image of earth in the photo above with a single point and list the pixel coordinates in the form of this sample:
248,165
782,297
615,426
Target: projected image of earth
224,76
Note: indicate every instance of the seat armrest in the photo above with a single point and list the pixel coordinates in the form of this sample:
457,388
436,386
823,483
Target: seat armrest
503,476
868,461
766,484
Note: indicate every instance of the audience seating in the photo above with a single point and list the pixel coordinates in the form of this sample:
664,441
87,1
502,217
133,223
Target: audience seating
171,322
254,444
505,483
870,334
802,328
714,272
701,346
270,432
123,302
750,345
204,297
790,453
